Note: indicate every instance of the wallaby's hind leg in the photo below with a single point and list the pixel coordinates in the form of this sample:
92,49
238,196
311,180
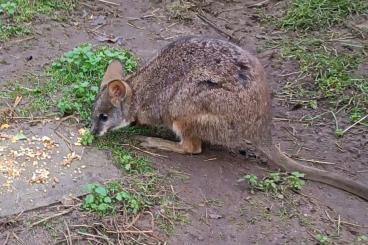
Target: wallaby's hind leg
187,145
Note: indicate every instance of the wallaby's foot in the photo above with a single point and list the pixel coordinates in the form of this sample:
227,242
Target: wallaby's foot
187,146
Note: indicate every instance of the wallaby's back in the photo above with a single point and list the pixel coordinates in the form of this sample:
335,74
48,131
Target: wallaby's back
216,89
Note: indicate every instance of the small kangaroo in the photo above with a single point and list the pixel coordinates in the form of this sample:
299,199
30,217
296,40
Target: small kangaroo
204,89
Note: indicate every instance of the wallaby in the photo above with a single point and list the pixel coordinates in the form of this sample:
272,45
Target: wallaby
204,89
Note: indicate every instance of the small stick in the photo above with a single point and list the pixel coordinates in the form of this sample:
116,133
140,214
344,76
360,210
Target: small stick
362,171
338,226
108,2
66,238
69,236
132,25
22,40
210,159
260,4
351,126
129,231
67,142
53,216
18,239
133,221
147,152
316,161
94,236
66,118
208,22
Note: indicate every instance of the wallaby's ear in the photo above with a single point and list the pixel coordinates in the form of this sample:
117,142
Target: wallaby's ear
118,90
113,72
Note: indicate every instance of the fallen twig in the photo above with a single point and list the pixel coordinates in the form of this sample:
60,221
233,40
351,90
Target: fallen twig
66,118
218,29
130,231
315,161
108,2
24,39
54,216
68,231
67,142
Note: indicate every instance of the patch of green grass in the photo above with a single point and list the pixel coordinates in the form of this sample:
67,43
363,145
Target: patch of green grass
330,73
275,182
15,15
306,15
73,81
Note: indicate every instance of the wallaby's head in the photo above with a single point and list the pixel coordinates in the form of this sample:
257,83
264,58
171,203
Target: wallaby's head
112,104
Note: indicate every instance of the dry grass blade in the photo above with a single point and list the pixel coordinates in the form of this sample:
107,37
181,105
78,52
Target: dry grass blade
315,161
68,237
351,126
96,236
339,221
144,151
108,2
260,4
6,239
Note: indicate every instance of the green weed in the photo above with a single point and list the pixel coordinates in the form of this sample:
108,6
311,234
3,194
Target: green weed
322,239
294,180
363,238
86,137
105,199
16,14
306,15
275,182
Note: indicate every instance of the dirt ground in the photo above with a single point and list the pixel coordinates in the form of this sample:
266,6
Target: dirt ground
220,210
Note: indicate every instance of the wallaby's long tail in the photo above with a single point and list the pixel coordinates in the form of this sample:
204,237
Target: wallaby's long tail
315,174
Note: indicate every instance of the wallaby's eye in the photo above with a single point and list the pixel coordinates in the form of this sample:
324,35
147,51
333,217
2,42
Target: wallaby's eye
102,117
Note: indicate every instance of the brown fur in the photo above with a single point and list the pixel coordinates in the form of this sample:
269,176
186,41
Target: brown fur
204,90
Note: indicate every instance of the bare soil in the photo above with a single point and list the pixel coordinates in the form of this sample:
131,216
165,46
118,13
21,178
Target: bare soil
220,209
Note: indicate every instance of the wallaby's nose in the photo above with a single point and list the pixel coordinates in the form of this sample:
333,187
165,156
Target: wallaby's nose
94,130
